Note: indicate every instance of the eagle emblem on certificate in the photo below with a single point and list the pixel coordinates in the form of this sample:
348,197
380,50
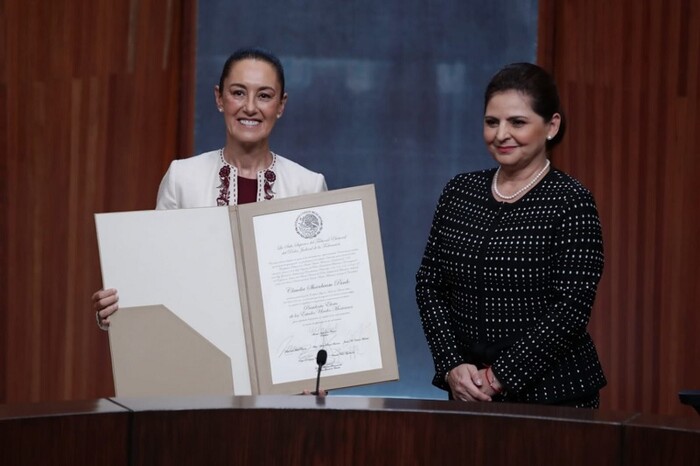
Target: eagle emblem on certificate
309,224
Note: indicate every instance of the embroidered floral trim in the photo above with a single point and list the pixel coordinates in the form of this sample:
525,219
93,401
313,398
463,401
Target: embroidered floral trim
228,175
224,187
270,179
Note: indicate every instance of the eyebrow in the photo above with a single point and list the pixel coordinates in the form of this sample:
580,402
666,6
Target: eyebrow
246,87
524,117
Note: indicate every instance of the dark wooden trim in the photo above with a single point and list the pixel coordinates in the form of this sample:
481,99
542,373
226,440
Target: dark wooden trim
546,32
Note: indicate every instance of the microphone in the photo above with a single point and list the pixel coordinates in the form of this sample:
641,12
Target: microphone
321,357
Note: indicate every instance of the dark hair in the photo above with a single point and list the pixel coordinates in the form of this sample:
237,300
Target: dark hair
537,84
254,54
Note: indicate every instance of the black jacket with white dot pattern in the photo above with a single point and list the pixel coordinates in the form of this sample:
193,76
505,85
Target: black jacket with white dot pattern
524,272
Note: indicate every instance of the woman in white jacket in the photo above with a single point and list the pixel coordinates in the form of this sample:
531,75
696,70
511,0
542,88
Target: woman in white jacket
251,97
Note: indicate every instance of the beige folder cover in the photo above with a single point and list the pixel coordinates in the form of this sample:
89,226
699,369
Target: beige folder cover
159,354
184,260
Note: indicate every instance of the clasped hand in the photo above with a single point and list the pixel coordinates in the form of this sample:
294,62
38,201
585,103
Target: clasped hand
467,383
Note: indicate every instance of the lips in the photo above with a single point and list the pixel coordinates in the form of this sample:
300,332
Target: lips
249,123
506,149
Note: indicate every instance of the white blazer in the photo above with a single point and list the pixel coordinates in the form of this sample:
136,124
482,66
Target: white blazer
194,182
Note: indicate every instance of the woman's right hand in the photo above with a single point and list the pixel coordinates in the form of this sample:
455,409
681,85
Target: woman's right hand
466,383
105,303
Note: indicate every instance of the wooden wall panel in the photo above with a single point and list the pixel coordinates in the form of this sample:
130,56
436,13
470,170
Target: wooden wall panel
628,75
91,94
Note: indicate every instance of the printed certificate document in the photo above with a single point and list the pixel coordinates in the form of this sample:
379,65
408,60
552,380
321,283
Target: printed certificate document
292,276
315,268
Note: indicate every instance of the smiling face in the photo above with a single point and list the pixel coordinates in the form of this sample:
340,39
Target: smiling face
251,100
515,135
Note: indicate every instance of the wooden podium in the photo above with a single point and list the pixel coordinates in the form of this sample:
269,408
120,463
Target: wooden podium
306,430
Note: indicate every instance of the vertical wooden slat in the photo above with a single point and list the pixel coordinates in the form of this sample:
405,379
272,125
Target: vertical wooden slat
186,79
663,393
622,141
652,197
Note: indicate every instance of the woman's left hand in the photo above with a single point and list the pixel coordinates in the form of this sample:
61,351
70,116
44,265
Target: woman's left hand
491,385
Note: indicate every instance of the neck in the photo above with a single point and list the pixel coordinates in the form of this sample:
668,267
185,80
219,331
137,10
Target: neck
248,162
523,183
519,174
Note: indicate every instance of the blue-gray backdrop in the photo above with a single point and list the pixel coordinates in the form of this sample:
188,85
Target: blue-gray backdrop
386,92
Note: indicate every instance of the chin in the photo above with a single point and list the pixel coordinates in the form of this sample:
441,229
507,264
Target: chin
250,137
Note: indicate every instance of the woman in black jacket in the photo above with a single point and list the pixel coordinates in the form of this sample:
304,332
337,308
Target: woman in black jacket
512,264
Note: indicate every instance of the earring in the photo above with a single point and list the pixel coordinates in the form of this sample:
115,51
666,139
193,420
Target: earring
279,115
221,109
549,138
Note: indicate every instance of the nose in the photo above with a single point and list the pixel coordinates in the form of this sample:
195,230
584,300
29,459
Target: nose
502,132
250,105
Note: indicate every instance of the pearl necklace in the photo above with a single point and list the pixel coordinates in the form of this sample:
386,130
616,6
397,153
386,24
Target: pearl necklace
494,184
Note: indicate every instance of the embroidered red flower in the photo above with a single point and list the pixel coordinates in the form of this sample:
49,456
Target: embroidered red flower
224,194
270,178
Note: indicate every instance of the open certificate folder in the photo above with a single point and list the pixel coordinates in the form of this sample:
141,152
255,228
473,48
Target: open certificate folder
238,300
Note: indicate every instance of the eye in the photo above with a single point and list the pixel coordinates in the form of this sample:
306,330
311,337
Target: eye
237,92
265,96
491,122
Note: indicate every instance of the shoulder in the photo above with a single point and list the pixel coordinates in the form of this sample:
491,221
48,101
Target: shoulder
567,196
566,187
188,182
295,180
287,166
194,169
469,183
204,160
293,174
